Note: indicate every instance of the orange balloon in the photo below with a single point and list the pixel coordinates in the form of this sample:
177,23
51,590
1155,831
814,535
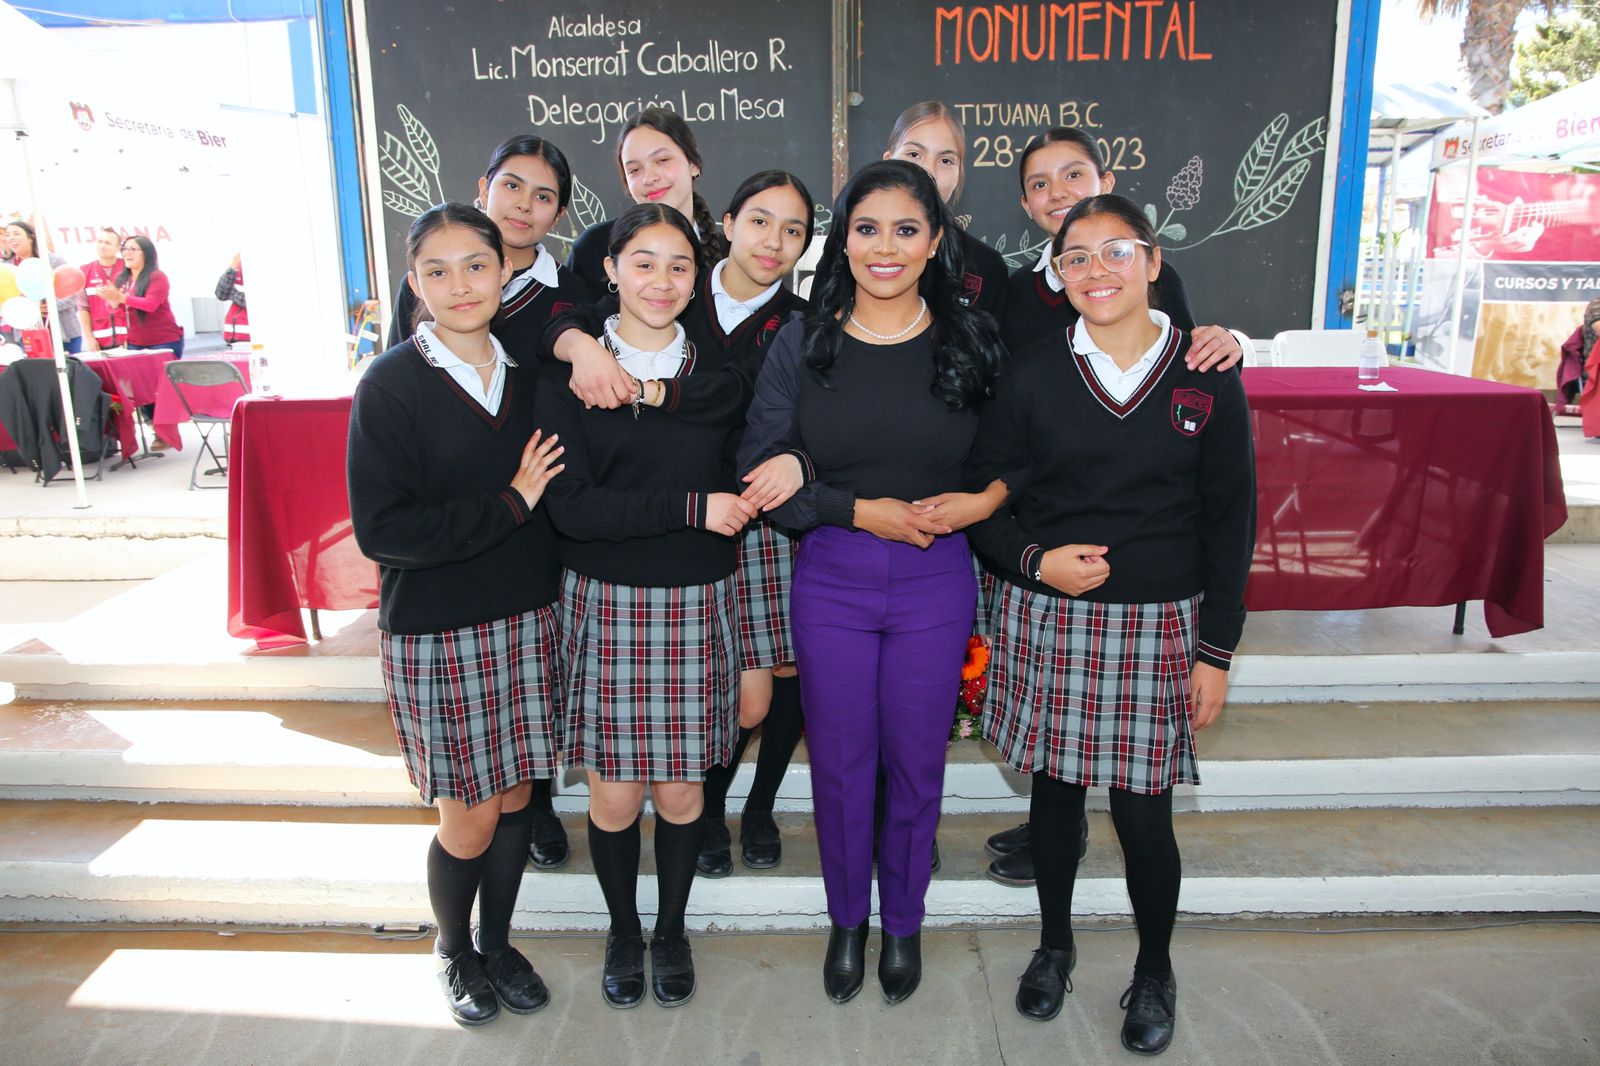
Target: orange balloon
69,281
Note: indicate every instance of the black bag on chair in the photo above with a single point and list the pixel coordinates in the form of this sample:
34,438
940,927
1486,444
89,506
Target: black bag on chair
30,408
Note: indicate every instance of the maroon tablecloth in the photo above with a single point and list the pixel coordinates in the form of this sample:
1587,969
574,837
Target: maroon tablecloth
207,399
290,543
1440,492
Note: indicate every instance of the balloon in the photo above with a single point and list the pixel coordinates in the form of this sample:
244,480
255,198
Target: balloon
19,312
9,353
33,278
8,282
69,281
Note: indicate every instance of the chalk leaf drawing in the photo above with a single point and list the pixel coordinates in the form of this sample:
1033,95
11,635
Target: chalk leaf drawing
421,143
411,165
1265,183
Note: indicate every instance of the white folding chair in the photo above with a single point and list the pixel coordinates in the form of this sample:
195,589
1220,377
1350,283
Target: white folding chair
1317,347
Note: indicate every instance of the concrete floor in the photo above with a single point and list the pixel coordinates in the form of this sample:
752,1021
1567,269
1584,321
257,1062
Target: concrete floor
1266,994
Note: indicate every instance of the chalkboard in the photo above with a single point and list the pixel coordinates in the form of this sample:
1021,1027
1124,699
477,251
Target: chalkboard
449,81
1214,114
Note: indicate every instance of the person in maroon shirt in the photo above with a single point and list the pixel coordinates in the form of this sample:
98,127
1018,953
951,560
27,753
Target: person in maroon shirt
143,290
104,326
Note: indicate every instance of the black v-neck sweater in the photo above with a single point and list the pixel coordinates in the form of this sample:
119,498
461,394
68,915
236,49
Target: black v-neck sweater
1165,480
431,502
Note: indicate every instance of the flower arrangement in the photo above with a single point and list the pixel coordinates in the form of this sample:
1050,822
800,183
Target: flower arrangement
974,683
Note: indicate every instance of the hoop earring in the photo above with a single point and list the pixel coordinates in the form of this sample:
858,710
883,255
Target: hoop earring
611,286
691,294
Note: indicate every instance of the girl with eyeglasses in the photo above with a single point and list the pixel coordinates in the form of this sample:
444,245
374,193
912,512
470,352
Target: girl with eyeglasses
1124,558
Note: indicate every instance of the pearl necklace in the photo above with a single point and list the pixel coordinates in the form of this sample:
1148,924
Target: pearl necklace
915,322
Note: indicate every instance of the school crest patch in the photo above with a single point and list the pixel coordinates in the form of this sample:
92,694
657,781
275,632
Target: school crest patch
971,289
1190,410
769,329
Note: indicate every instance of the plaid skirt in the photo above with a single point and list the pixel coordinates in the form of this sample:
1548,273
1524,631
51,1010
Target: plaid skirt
652,678
761,585
475,709
1093,693
983,624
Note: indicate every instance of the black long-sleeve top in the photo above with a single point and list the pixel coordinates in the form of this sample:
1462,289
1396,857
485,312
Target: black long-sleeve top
983,277
520,323
1166,481
718,397
1034,311
630,507
429,474
587,258
875,429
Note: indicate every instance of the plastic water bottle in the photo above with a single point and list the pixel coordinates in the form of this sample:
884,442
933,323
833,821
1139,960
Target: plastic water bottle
260,372
1370,369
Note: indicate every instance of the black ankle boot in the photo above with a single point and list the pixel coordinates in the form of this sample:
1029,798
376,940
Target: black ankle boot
845,967
899,966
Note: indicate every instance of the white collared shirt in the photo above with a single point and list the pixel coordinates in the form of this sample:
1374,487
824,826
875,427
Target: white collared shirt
543,271
1051,278
647,366
471,382
731,313
1118,382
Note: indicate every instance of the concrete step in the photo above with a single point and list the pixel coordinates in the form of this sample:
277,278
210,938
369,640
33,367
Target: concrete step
175,863
1259,756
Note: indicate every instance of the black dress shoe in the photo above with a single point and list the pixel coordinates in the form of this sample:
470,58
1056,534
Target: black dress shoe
1152,1005
671,970
548,850
899,967
622,979
1014,870
1045,983
1006,841
467,991
845,967
937,862
760,846
516,983
716,849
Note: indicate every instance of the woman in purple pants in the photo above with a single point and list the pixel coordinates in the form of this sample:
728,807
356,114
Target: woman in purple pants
875,394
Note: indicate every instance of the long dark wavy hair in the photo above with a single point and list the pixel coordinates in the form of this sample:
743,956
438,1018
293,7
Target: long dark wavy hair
966,343
151,263
709,246
437,217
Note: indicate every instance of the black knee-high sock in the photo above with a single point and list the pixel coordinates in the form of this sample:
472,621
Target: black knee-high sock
543,789
503,864
719,778
1053,815
616,866
677,846
452,884
1154,872
780,733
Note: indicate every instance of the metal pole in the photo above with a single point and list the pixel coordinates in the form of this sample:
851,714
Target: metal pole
1461,252
1413,275
69,417
1390,246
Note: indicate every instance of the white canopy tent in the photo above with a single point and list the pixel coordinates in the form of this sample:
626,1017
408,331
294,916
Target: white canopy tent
1562,129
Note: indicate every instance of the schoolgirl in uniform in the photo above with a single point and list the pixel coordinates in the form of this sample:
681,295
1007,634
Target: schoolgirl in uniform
740,304
658,160
648,524
1125,557
883,596
446,471
1057,169
524,190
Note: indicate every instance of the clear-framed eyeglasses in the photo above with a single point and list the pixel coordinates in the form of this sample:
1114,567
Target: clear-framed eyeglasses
1116,255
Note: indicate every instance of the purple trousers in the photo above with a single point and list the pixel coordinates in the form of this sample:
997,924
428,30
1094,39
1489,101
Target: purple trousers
880,631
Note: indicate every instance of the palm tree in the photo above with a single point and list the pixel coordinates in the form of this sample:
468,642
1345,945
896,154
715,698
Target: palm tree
1488,43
